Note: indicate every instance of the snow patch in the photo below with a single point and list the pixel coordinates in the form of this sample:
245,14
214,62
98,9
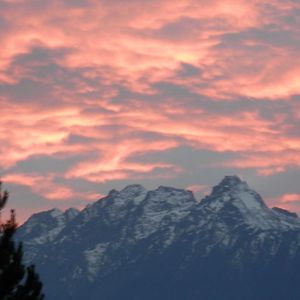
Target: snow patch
95,258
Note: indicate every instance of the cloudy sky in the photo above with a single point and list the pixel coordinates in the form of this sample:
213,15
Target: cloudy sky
99,94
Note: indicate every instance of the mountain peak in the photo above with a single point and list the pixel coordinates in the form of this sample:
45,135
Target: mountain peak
71,213
133,189
233,191
231,180
230,184
55,212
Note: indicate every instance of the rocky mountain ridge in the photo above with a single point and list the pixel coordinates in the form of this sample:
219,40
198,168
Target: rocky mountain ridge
164,244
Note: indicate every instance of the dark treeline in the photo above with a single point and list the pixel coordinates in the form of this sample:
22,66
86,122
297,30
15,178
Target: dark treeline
17,281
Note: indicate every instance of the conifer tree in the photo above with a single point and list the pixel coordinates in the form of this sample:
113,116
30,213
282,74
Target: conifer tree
17,282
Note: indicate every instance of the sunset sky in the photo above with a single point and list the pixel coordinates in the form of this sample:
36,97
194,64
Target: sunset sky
99,94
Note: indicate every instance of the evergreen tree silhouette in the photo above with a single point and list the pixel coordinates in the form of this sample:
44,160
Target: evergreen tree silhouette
17,282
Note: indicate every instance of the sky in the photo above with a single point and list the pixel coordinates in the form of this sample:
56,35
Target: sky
98,94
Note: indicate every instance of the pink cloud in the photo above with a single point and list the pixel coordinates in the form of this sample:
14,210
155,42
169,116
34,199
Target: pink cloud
199,188
290,198
268,163
47,188
44,132
286,201
95,40
109,60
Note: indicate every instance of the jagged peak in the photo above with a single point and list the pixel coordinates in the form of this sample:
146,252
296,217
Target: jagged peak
234,191
71,212
72,209
133,193
133,188
231,182
171,196
55,212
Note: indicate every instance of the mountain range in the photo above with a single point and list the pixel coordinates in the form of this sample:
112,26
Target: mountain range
165,244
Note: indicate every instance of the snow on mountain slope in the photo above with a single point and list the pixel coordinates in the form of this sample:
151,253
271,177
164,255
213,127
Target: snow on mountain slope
42,228
139,230
234,194
161,206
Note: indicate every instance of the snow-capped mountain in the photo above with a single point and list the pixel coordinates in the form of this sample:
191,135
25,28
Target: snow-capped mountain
165,244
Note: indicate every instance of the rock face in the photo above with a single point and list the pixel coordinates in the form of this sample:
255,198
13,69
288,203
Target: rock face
164,244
